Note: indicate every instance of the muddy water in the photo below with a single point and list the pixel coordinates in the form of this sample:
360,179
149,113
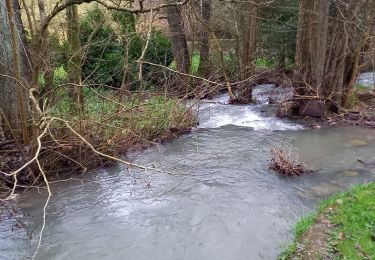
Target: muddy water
224,204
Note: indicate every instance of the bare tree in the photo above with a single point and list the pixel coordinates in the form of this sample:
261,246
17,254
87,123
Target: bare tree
179,43
248,31
74,55
204,63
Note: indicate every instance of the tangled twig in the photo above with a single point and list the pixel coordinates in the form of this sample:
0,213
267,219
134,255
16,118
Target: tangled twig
286,163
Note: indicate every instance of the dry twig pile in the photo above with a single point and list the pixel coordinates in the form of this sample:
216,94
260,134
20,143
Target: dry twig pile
286,163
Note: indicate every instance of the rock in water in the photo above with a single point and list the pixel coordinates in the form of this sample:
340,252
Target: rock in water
357,142
324,189
350,174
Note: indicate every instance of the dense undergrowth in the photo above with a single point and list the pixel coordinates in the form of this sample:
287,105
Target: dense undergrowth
112,124
352,218
116,124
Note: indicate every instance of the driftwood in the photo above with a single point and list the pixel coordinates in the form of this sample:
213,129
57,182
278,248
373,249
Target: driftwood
286,163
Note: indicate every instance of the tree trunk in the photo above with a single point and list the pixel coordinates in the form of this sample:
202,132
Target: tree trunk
312,42
129,36
248,25
325,65
47,59
13,98
204,63
74,55
282,57
179,43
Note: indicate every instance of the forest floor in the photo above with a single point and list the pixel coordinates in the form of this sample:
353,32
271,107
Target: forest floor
343,228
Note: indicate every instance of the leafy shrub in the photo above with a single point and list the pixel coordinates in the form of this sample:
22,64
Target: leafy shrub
264,62
60,76
105,49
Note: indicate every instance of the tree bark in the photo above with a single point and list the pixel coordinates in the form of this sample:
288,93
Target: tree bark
312,42
129,34
204,63
179,43
248,25
74,55
47,59
13,98
326,65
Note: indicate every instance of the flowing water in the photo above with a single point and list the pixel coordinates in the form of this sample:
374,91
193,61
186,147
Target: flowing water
224,203
366,80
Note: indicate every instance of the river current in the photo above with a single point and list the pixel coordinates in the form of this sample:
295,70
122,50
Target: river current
224,202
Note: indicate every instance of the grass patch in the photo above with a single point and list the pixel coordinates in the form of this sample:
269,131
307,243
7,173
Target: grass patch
362,87
147,118
195,60
353,221
112,125
355,218
266,62
230,63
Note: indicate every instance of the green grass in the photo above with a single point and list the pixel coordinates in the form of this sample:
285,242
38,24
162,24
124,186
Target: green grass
264,62
109,118
355,218
362,87
215,59
194,64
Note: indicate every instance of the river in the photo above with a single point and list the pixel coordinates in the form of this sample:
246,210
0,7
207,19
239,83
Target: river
223,204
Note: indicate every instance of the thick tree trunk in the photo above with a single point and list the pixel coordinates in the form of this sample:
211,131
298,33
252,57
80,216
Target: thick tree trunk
14,72
74,55
248,25
326,65
204,64
312,42
179,43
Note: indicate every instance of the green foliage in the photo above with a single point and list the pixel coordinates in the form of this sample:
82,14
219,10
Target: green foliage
362,87
195,60
103,53
264,62
278,29
142,119
58,50
59,77
230,64
106,44
126,22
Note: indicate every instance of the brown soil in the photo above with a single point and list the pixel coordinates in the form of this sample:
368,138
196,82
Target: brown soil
314,243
